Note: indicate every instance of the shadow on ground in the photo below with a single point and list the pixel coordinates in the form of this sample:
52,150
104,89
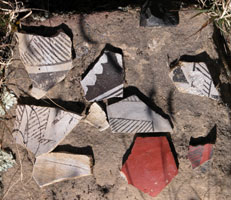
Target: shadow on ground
76,150
75,107
209,139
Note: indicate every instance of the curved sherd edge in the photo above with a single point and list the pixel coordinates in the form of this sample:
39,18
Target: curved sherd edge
151,165
46,59
201,148
194,78
105,77
55,167
96,117
132,115
41,129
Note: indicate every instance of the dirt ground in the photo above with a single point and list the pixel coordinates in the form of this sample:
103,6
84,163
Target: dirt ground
148,53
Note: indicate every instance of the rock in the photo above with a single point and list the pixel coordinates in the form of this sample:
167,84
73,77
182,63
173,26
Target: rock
151,165
97,117
194,78
105,79
159,13
46,59
54,167
41,129
131,115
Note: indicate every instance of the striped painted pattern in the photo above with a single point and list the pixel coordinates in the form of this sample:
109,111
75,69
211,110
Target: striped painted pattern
208,85
130,126
40,129
32,121
132,98
115,92
199,154
47,50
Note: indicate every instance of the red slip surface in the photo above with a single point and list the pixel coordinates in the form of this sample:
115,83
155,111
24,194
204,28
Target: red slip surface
151,165
200,154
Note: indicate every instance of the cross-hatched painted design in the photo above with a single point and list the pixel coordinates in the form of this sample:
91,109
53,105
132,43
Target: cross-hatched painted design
47,50
130,126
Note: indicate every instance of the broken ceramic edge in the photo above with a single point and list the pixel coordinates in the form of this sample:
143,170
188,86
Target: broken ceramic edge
105,79
41,129
96,117
132,115
157,14
122,174
55,167
200,154
150,166
194,78
46,59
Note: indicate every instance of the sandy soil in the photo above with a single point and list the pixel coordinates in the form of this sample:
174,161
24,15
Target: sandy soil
147,55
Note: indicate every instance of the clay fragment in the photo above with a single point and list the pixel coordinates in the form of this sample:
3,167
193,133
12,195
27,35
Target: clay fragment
201,149
194,78
105,79
41,129
131,115
200,154
159,13
151,165
46,59
55,167
97,117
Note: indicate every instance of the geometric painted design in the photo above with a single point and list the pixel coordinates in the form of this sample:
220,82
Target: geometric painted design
105,79
41,129
200,154
194,78
131,115
150,165
130,126
46,59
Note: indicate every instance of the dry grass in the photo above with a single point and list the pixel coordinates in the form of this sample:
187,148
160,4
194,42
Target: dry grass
9,14
219,12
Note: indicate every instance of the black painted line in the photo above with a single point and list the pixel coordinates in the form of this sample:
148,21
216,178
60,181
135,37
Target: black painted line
136,126
206,86
127,128
111,94
206,75
203,68
118,126
49,48
46,54
60,54
141,127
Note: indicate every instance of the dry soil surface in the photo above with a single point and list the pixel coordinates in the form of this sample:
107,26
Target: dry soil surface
148,53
